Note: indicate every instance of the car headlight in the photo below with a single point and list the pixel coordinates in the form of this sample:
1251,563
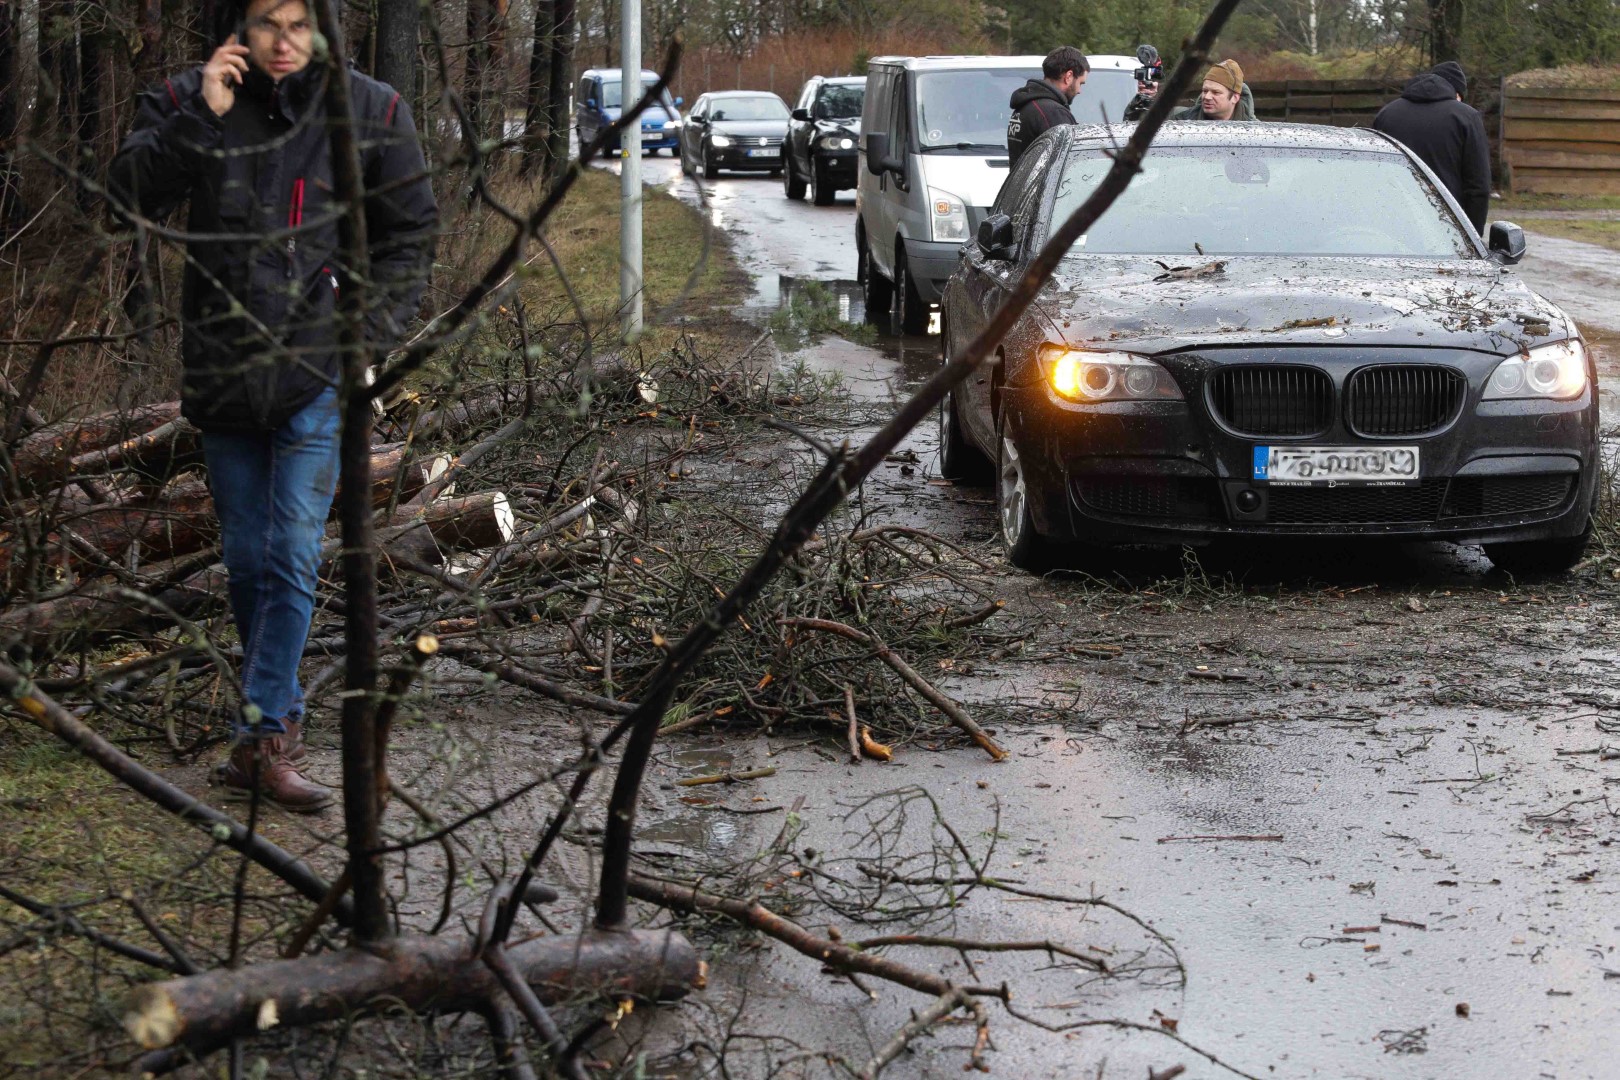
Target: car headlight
836,142
1556,371
949,217
1078,375
719,142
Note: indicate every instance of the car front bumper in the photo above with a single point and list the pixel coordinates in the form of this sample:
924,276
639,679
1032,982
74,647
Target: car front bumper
1171,472
740,158
838,167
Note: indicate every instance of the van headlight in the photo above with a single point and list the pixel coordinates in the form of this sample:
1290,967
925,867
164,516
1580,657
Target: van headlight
949,215
1556,372
1087,377
719,142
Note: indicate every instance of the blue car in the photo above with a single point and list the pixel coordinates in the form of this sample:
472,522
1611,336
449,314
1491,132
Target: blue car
598,101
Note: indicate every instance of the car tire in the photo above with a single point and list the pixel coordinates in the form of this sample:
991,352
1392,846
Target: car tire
959,459
711,171
821,192
1539,558
792,186
876,291
686,170
913,311
1025,548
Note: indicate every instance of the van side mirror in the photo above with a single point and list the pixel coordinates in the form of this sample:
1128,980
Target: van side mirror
590,103
877,153
1506,242
801,115
995,237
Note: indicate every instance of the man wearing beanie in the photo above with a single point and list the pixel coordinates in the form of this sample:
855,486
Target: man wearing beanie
1225,96
1448,135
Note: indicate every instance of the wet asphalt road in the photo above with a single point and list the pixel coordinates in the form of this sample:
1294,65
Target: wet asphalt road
1422,736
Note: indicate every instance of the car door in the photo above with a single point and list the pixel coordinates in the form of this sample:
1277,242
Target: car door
801,133
986,282
692,133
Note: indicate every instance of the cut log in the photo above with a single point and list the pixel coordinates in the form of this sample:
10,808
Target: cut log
471,522
613,377
391,472
155,455
177,521
41,460
205,1012
452,420
88,616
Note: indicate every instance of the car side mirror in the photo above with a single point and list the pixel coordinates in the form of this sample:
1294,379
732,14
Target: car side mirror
801,115
1506,242
995,237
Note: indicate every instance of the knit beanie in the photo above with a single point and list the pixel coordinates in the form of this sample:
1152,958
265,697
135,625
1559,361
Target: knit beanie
1452,72
1228,74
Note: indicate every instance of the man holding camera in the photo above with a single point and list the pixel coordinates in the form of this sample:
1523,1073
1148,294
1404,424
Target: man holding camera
246,140
1044,103
1149,75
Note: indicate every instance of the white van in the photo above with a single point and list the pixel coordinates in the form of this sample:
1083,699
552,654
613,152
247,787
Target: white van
934,151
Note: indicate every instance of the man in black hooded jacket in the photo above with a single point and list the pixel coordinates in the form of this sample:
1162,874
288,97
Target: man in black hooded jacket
1448,135
245,139
1044,103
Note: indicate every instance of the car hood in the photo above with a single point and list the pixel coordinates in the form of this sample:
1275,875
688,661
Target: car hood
744,129
848,125
1137,303
653,114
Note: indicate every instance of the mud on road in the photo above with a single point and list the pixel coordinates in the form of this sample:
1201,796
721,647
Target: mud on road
1369,794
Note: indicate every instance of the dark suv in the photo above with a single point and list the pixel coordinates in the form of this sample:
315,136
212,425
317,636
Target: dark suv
823,138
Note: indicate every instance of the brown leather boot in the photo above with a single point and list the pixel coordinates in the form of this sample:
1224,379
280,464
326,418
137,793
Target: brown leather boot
278,779
296,753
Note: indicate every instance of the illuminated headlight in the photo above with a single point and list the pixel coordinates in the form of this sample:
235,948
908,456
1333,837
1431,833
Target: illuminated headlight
949,217
1556,371
837,142
719,142
672,125
1106,376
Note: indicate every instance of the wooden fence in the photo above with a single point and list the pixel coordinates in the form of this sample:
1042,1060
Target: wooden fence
1563,141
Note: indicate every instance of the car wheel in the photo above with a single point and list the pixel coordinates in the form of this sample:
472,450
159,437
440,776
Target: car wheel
1537,558
913,311
686,169
876,290
711,171
1026,549
821,192
791,184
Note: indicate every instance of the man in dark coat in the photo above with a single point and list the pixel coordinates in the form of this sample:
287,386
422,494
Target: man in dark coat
1448,135
1044,103
245,139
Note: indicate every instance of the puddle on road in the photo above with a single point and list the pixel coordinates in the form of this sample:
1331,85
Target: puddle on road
695,825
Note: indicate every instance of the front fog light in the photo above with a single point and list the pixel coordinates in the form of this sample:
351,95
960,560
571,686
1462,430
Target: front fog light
1556,372
1089,377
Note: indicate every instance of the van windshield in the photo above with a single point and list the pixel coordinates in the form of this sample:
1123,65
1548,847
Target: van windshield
613,97
970,108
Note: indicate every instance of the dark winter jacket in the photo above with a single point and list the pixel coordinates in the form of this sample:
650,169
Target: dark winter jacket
1244,110
1036,106
1448,136
259,293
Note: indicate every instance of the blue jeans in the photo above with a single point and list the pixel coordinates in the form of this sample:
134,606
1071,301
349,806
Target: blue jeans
272,491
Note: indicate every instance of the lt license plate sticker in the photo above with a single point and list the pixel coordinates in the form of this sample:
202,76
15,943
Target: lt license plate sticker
1335,466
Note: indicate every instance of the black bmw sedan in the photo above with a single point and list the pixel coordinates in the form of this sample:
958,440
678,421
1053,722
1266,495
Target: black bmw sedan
1279,330
741,130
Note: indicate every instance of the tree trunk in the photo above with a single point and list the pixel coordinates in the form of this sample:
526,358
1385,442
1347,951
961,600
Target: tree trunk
1445,29
551,75
395,32
149,61
11,206
476,78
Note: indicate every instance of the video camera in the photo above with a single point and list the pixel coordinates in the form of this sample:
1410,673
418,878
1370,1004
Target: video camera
1152,69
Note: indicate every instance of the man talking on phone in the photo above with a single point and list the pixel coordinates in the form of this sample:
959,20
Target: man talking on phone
245,140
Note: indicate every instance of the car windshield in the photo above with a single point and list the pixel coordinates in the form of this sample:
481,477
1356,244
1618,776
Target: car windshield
1224,200
612,95
970,109
749,108
840,102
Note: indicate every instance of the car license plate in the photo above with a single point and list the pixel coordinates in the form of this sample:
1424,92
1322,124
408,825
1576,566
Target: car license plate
1332,466
764,152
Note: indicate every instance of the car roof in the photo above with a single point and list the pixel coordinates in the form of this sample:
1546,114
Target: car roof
841,80
1099,62
741,94
1264,133
616,73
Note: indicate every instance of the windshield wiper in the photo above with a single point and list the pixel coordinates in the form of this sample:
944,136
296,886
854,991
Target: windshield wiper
997,147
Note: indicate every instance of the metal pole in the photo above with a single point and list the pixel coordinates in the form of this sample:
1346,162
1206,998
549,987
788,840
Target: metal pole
630,171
